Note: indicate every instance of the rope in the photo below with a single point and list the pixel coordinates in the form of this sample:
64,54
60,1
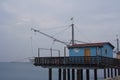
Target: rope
52,28
83,35
31,40
52,44
61,31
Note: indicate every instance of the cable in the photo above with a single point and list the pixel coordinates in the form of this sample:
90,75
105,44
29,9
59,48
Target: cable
31,40
61,31
52,28
52,44
82,34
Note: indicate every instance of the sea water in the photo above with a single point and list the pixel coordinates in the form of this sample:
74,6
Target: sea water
27,71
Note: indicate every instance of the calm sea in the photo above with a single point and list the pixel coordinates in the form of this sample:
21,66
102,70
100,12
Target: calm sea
27,71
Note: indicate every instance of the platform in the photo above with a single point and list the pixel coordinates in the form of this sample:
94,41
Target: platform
78,61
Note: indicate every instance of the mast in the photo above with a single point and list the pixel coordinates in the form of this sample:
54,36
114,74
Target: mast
117,44
72,31
72,34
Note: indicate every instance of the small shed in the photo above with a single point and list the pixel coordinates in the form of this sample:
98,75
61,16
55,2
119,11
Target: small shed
92,49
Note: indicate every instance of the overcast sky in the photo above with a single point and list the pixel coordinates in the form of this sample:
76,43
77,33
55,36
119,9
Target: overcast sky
95,21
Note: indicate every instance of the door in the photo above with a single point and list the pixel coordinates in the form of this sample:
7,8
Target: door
87,55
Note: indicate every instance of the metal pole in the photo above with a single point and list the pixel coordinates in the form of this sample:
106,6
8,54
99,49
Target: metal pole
51,51
64,54
59,53
117,44
72,34
38,52
64,51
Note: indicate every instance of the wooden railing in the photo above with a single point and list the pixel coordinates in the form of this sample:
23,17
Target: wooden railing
77,61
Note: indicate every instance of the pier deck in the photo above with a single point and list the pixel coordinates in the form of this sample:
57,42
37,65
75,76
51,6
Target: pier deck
78,61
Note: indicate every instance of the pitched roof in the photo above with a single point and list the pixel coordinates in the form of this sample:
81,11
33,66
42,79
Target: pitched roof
100,44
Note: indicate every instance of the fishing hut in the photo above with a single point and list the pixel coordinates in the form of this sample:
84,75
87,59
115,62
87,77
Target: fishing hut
85,56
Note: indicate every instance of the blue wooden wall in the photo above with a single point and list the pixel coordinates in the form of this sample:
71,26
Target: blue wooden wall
106,51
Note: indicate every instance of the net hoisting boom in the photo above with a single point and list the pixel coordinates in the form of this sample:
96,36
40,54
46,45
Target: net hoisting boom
54,39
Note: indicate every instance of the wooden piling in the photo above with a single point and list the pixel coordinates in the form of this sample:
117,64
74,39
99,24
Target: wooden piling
108,72
118,71
78,74
81,74
115,72
104,73
87,74
59,74
64,74
68,73
111,73
73,74
50,73
95,74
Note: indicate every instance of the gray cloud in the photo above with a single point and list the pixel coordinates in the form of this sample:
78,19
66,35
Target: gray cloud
96,20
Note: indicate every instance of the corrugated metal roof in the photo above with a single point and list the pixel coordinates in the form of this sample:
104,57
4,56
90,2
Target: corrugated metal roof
100,44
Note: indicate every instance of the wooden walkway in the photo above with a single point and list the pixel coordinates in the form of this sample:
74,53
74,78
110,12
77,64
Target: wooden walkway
78,61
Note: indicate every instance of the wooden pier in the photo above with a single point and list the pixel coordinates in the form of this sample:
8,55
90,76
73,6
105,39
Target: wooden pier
76,64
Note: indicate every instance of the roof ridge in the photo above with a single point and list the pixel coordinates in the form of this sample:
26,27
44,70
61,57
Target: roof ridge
100,44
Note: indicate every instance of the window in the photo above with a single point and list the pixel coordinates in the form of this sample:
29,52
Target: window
106,51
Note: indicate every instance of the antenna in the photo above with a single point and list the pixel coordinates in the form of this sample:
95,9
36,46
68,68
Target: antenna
117,43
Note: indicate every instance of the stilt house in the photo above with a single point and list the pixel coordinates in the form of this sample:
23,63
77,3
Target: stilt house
92,49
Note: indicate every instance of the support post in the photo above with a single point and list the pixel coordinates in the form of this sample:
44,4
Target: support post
51,52
87,74
104,73
50,73
108,72
68,72
59,53
95,74
111,73
64,74
73,74
59,71
115,72
38,52
118,71
72,34
64,55
79,74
